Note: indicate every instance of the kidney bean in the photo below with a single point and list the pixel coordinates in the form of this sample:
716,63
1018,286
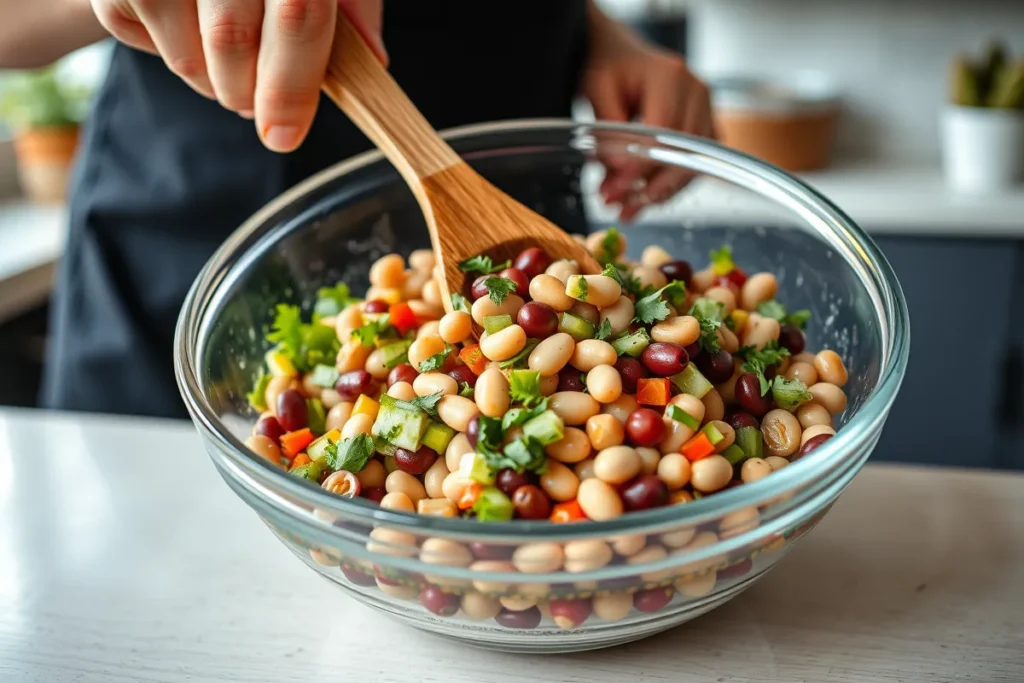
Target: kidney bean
415,462
644,427
402,373
532,261
524,619
538,320
644,492
664,359
738,419
359,578
488,551
677,270
531,503
519,277
292,410
270,427
570,379
693,351
462,373
792,338
375,306
631,371
652,599
570,613
437,601
736,570
748,395
473,430
351,384
508,480
811,445
477,290
716,367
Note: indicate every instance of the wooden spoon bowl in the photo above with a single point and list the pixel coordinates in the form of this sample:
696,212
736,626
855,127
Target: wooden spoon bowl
465,214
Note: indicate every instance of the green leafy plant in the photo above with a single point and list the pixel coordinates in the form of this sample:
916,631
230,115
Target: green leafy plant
39,99
995,81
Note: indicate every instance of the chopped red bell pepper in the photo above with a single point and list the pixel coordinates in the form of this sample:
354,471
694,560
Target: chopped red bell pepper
734,280
567,512
402,317
292,443
473,357
653,391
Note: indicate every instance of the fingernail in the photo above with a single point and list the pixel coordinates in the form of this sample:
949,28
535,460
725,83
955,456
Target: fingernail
246,114
281,138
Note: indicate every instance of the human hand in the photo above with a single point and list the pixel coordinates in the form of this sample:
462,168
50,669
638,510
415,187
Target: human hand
264,59
626,79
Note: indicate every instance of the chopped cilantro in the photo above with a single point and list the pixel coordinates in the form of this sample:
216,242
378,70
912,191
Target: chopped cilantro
459,303
258,396
428,403
491,432
437,361
582,288
604,330
523,454
465,390
790,394
708,313
483,265
610,246
653,308
350,454
629,283
519,416
367,333
758,361
305,345
498,288
524,386
721,261
773,309
521,356
331,301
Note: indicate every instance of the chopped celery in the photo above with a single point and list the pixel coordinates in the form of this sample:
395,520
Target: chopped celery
311,471
691,382
547,428
437,437
395,353
632,344
751,441
318,449
317,416
493,506
496,323
714,436
400,424
258,396
576,327
680,415
734,454
474,466
325,376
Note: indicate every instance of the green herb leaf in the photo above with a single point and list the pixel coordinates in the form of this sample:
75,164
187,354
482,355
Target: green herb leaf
610,246
368,333
708,313
798,319
583,287
521,356
350,454
488,440
653,308
435,362
789,394
721,261
773,309
522,455
459,303
483,265
758,361
465,390
286,331
325,376
305,345
604,330
332,300
524,386
519,416
428,403
498,288
258,396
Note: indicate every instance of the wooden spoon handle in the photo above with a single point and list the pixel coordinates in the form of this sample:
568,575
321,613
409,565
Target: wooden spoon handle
362,88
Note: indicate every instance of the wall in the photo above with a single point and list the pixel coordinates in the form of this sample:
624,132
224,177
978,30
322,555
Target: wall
890,57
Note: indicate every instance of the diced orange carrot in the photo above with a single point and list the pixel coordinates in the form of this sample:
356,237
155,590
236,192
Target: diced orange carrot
469,496
567,512
653,391
293,442
698,447
473,357
300,460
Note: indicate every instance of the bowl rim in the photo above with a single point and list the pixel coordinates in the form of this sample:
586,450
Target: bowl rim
787,189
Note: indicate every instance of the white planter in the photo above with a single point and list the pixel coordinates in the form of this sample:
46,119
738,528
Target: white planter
983,149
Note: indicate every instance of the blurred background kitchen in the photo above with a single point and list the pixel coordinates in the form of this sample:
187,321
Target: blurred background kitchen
910,116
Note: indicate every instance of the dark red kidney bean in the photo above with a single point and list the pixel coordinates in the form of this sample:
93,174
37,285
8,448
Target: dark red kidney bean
630,370
437,601
519,277
770,371
525,619
677,270
644,427
735,279
664,359
644,492
402,373
351,384
812,444
652,599
473,430
478,290
415,462
374,493
359,578
462,373
292,410
716,367
489,551
693,350
792,339
538,320
736,570
532,261
508,480
375,306
570,379
739,419
531,503
270,427
748,395
570,612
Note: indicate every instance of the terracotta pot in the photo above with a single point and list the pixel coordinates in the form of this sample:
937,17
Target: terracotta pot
45,157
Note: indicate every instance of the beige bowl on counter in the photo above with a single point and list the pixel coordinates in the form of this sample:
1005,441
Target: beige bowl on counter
790,123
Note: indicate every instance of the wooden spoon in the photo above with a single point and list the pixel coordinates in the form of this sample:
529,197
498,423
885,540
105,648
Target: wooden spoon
466,215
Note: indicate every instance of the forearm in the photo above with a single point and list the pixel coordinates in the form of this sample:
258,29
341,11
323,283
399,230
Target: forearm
36,33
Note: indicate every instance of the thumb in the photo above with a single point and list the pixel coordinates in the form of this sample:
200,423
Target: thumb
367,16
606,99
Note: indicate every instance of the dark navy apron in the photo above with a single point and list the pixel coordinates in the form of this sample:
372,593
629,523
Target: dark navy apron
164,176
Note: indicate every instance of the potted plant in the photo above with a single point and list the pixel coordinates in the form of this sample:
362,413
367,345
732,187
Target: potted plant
983,127
43,114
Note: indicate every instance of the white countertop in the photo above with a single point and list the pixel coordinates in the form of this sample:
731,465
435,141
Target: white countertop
124,557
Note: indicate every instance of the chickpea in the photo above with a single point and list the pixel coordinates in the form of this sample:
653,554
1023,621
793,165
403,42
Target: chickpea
503,344
816,430
603,431
403,391
264,447
830,367
710,474
728,435
828,396
650,554
353,356
803,372
431,293
674,470
375,365
397,591
405,483
412,288
549,290
617,465
456,411
618,315
585,469
604,383
327,557
590,353
356,425
781,432
492,393
434,477
679,497
559,482
738,522
433,383
702,280
599,500
573,407
727,339
330,398
654,256
613,606
372,474
760,331
628,544
573,447
538,558
597,290
587,555
723,295
454,485
551,354
678,538
347,321
682,329
422,349
754,469
484,308
696,586
388,271
397,501
338,416
714,407
621,407
562,269
758,288
811,414
455,327
649,459
804,357
776,462
457,447
387,541
650,277
441,551
597,248
422,260
479,607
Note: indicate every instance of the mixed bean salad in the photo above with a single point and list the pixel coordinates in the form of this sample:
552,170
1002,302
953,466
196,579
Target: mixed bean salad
545,394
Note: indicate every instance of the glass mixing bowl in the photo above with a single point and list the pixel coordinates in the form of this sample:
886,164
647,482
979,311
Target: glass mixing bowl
671,564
